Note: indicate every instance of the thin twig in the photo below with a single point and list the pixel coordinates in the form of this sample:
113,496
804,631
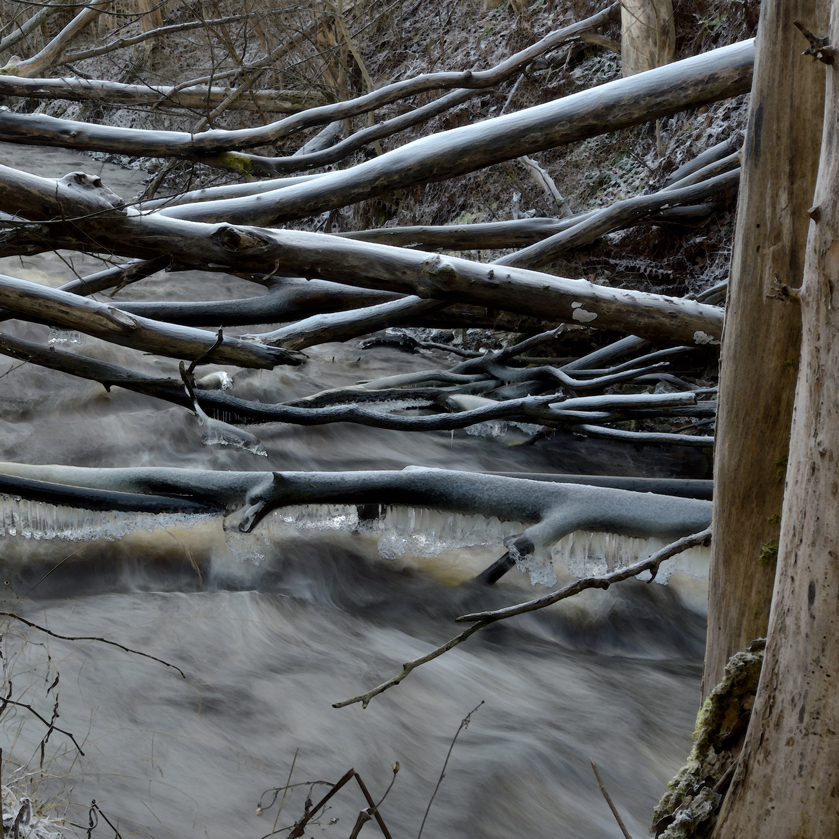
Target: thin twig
210,351
300,827
609,801
49,725
90,638
650,564
365,698
381,800
373,809
464,723
483,619
95,806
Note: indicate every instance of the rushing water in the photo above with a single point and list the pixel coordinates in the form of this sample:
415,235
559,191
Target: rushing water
270,631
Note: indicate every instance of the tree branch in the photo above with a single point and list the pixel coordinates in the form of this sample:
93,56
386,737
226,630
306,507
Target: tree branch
482,619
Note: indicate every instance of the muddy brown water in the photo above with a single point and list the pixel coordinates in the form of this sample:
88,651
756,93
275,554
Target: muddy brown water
276,631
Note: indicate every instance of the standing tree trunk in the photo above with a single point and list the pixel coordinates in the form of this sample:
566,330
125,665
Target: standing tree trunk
762,329
787,781
648,35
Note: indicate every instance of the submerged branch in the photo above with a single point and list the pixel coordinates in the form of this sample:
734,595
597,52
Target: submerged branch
482,619
651,564
349,405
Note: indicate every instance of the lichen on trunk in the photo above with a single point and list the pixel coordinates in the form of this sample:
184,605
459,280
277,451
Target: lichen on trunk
688,809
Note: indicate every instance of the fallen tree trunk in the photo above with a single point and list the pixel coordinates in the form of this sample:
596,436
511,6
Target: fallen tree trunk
547,510
46,305
87,498
395,269
289,300
341,326
618,215
666,90
214,193
116,93
97,219
509,234
174,143
272,166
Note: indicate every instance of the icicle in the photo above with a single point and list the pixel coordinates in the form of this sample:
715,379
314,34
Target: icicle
67,337
537,565
245,546
219,433
25,526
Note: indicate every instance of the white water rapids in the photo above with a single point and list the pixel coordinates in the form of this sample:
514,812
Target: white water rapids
315,608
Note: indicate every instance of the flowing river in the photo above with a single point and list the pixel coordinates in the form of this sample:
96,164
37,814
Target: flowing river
271,630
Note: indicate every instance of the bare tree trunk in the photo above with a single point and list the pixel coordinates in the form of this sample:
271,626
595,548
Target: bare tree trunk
152,16
762,331
648,35
787,781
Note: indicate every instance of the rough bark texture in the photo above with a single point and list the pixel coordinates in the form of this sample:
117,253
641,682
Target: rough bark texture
762,331
787,782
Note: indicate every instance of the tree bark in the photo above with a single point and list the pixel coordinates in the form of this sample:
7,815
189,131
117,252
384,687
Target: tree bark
387,268
702,79
116,93
787,782
762,332
46,305
648,35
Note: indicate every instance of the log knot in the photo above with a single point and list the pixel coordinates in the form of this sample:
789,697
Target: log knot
121,318
80,191
238,239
